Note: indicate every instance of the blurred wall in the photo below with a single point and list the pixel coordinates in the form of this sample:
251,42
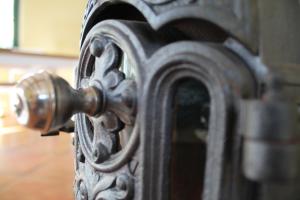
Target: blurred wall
46,27
51,26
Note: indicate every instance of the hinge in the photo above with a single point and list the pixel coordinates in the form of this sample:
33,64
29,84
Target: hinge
271,138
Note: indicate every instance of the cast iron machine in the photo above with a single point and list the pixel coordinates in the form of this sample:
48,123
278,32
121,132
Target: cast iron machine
179,99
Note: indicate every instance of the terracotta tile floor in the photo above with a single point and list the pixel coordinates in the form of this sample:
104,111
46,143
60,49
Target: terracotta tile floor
34,167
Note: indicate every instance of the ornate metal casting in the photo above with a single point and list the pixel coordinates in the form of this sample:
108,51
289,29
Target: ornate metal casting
98,136
114,188
98,139
135,56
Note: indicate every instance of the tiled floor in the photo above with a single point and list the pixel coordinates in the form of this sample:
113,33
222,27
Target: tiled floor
34,167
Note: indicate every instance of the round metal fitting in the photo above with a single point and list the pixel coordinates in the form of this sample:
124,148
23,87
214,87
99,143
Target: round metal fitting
34,101
46,102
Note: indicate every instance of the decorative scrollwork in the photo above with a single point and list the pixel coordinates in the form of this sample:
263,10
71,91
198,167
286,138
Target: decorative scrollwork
79,155
106,143
119,93
99,63
81,190
114,188
110,137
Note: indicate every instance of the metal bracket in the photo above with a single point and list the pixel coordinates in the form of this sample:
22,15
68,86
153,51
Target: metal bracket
272,138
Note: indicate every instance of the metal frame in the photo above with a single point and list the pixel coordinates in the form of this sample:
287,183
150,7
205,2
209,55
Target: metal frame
230,47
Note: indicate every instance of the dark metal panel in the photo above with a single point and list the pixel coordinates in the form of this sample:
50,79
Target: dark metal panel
227,80
237,17
279,32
